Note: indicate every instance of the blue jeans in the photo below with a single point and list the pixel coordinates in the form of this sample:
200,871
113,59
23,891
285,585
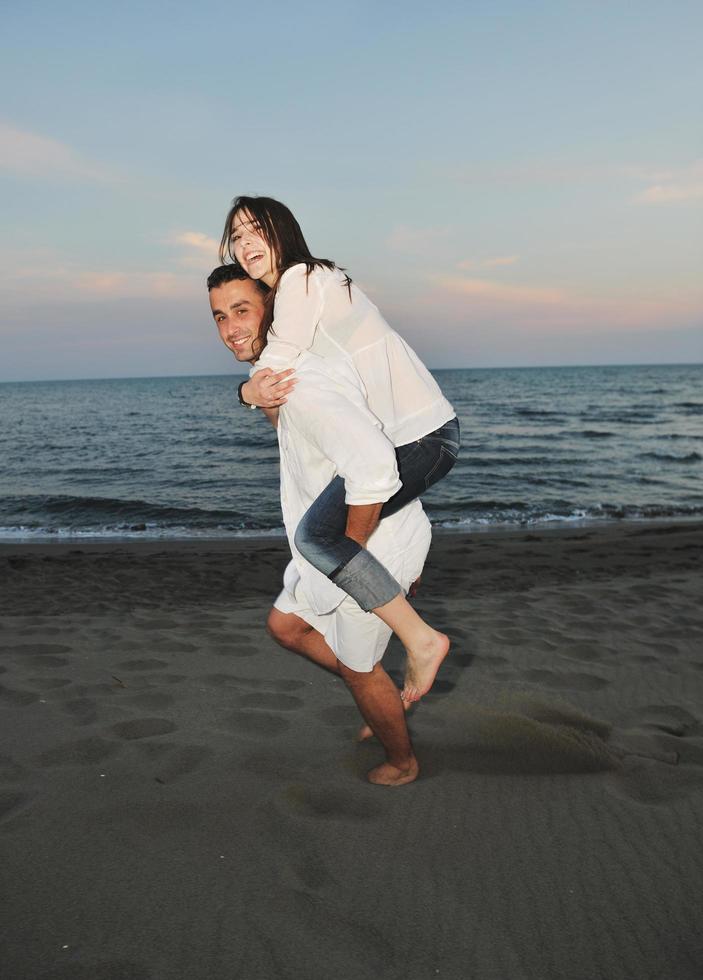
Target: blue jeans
321,539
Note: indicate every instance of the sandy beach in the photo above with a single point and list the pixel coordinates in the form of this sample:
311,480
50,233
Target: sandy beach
181,799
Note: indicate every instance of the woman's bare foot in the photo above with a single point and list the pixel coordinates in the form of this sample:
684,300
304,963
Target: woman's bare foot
422,666
366,731
388,775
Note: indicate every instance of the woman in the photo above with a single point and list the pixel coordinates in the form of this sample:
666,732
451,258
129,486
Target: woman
314,306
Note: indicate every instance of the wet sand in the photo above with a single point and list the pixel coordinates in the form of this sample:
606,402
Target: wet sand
180,798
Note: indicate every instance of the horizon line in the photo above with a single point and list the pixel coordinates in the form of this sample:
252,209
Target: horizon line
493,367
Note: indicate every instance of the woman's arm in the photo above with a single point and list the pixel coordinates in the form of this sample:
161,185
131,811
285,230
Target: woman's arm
296,314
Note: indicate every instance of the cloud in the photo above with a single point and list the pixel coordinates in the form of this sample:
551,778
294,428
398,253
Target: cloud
32,155
501,260
199,251
416,241
501,293
671,187
548,311
41,275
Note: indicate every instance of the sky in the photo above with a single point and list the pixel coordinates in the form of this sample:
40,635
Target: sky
513,183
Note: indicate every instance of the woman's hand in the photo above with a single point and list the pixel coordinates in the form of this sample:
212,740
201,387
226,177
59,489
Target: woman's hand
268,389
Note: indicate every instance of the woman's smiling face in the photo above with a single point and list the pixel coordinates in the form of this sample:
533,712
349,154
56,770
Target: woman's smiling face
251,250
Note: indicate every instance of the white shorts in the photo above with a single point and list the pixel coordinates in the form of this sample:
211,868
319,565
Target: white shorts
357,638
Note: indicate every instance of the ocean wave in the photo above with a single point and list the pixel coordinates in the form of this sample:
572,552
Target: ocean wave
693,457
537,413
149,532
601,513
107,513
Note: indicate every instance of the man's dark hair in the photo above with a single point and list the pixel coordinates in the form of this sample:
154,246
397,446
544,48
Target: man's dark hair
229,273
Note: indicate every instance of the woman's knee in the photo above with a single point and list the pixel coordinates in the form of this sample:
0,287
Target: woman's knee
309,539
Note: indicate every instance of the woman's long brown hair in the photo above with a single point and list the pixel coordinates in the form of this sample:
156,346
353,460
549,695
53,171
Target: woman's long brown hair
282,233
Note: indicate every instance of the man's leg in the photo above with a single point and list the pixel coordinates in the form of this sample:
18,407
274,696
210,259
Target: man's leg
378,700
293,633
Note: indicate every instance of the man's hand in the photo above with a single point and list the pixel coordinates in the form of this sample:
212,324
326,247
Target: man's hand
268,389
362,521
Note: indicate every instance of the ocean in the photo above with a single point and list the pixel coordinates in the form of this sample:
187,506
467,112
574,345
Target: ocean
179,458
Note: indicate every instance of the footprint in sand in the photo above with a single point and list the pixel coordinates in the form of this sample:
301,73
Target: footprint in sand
143,728
154,700
146,664
234,650
156,624
15,697
173,646
48,683
582,651
256,723
669,718
330,804
574,682
10,770
35,649
651,783
343,716
270,685
48,660
84,710
10,803
512,636
270,701
236,682
171,761
82,752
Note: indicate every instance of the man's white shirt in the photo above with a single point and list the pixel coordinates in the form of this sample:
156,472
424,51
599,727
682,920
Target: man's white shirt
325,430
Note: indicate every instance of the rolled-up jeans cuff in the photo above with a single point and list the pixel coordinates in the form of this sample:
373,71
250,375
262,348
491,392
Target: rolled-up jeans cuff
366,580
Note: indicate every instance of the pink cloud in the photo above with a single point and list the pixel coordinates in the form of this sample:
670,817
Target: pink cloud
198,250
671,187
501,260
405,238
33,155
550,310
499,292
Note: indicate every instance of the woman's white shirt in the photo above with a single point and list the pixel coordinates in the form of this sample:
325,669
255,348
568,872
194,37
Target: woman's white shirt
318,314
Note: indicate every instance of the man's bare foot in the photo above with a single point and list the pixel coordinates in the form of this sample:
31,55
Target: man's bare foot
366,731
422,667
388,775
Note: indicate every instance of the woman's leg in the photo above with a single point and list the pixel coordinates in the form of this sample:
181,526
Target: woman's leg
321,538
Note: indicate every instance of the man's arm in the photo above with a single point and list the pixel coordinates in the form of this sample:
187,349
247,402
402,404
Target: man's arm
362,521
351,438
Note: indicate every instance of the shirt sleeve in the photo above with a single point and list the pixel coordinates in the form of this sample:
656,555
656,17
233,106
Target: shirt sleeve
296,314
349,437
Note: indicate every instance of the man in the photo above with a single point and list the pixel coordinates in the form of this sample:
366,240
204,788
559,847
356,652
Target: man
325,429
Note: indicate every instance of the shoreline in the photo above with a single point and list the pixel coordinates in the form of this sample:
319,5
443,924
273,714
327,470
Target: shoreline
236,540
58,576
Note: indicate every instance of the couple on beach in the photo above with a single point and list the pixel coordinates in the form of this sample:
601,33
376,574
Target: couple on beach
363,430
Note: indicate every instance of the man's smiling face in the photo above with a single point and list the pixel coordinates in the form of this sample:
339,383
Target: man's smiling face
238,308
